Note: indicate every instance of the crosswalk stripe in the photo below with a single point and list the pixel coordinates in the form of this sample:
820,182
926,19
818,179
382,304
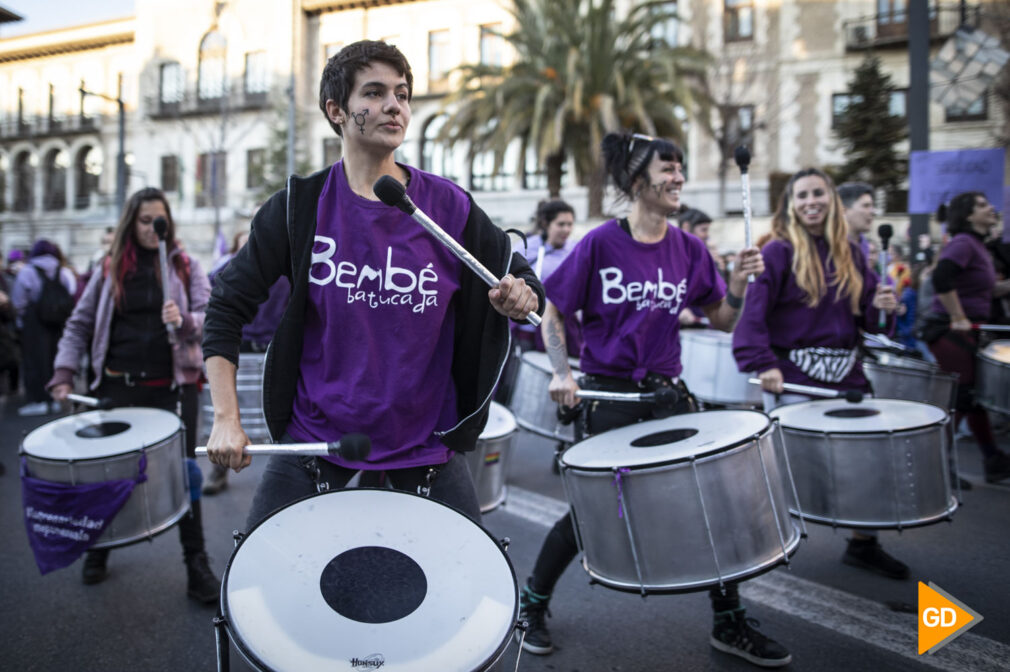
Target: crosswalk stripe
866,620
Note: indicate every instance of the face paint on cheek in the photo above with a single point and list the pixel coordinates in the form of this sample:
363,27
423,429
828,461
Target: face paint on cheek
659,188
359,120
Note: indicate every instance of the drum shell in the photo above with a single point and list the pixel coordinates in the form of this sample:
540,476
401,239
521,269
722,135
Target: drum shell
154,505
900,378
992,380
249,391
668,520
531,401
489,466
871,480
710,370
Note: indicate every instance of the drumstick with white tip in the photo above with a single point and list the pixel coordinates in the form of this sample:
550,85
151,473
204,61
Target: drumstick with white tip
351,447
742,156
101,404
851,396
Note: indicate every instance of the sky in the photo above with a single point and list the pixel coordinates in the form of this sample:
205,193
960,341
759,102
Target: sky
41,15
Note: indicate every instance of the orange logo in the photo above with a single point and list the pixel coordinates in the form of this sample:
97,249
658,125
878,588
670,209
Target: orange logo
942,618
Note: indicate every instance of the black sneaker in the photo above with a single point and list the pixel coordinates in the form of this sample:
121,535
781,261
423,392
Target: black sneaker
735,634
997,467
201,584
868,554
533,611
95,566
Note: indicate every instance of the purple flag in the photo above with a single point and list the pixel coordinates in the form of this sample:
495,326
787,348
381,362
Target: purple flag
936,177
63,520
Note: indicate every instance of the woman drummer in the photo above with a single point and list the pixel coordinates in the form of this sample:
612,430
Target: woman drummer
122,321
804,314
964,282
631,278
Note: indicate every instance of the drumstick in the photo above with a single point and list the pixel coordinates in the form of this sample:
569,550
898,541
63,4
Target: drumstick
662,397
351,447
851,396
742,156
392,193
885,231
161,228
991,327
101,404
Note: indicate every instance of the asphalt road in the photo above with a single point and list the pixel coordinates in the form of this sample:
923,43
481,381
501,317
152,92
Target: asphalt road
831,616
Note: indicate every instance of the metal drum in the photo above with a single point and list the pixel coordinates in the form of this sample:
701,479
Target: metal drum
100,446
710,370
680,504
249,388
896,377
489,461
992,374
879,464
367,579
531,402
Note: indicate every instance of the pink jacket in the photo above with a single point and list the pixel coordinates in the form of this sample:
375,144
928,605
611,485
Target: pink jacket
91,324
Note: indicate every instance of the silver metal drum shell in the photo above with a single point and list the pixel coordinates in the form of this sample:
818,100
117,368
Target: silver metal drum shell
710,370
249,388
922,384
992,381
871,480
489,477
663,506
531,402
153,506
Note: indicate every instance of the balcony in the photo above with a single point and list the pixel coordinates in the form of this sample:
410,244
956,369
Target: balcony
890,29
40,127
191,104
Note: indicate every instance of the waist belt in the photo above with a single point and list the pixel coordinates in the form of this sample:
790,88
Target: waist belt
131,380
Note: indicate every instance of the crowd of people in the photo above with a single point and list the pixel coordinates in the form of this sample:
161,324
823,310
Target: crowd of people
306,268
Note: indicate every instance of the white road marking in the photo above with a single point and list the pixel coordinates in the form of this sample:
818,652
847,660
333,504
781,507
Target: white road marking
866,620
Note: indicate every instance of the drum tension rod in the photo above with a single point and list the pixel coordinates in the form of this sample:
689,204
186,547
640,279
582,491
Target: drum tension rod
504,542
237,536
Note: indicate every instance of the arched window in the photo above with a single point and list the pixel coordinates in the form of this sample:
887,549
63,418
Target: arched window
4,167
54,180
24,182
210,85
88,164
435,157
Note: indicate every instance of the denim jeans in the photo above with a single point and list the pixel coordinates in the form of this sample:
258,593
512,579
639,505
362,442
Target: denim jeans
291,477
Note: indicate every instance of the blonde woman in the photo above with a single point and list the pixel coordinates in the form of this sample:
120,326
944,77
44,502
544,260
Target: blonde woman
803,317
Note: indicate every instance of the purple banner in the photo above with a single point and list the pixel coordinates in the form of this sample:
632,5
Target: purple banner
936,177
1006,229
63,520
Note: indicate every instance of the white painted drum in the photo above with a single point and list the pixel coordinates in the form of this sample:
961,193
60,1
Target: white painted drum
100,446
419,587
489,461
710,370
680,504
531,401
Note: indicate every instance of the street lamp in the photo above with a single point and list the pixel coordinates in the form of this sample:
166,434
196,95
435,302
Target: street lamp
121,156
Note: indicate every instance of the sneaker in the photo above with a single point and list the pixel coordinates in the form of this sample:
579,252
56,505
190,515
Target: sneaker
533,611
868,554
201,584
735,634
35,408
95,568
997,467
217,481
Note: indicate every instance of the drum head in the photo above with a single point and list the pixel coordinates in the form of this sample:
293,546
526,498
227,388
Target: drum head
873,416
98,434
500,422
381,577
658,442
998,351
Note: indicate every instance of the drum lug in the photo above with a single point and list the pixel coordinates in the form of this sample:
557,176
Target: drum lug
237,536
504,543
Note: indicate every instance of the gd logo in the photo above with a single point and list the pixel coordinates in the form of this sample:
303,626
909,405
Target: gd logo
942,618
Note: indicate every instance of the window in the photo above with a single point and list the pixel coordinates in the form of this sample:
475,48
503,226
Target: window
211,179
169,173
54,180
491,44
738,20
24,183
438,61
210,85
666,29
332,151
256,165
257,73
976,111
738,123
840,105
88,166
435,157
170,85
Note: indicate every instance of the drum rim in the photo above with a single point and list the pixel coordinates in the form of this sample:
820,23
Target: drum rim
254,660
942,421
666,463
100,458
181,428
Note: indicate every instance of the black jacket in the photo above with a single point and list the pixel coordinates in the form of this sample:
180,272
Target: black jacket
280,243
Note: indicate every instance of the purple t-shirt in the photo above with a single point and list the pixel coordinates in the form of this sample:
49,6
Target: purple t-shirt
379,324
975,282
630,294
776,318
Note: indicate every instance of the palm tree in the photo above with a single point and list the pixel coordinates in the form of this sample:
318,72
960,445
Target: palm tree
578,74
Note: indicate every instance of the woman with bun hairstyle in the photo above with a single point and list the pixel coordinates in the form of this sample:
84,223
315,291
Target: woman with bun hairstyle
631,277
964,282
122,321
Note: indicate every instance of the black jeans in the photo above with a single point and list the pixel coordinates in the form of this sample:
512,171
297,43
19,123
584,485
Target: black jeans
560,546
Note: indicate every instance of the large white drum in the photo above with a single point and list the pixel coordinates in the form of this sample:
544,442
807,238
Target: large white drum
895,376
879,464
531,401
100,446
249,390
992,377
710,370
680,504
369,579
489,461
